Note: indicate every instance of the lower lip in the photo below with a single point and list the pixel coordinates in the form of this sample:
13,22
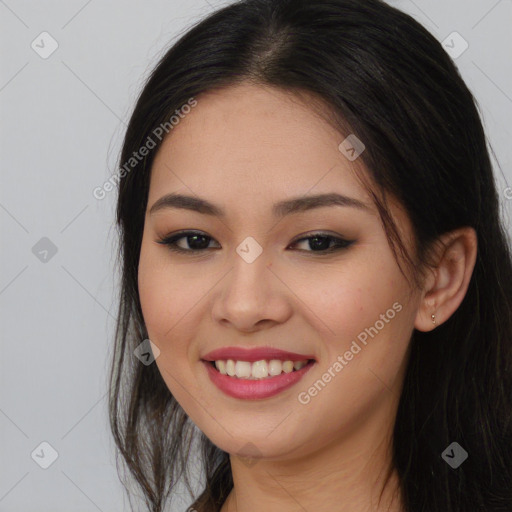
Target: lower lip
255,389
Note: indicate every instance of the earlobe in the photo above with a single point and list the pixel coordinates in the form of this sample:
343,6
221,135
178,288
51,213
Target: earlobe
447,286
427,317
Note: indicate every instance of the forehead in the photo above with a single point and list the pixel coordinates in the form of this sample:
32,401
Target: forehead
253,141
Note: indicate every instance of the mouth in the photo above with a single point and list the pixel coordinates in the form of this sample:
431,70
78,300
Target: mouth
253,381
263,369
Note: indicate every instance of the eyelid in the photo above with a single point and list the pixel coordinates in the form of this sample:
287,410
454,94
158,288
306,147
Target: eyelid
174,237
340,241
318,233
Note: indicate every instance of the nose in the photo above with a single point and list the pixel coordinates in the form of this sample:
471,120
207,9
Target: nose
251,296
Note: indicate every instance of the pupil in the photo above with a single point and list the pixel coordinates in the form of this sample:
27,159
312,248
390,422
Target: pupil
195,237
323,245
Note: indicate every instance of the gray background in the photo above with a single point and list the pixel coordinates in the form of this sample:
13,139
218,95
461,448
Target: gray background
62,120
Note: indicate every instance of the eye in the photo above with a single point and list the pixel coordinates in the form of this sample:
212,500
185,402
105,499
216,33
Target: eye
320,242
195,239
199,242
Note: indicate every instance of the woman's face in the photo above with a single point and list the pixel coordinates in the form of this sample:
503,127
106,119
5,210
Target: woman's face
254,279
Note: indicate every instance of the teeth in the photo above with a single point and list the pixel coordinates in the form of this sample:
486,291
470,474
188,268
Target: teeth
259,369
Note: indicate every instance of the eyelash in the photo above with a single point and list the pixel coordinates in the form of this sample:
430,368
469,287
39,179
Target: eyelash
170,242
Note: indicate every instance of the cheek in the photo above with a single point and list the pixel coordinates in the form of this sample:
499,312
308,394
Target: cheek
365,322
172,299
158,292
362,314
151,289
345,299
166,303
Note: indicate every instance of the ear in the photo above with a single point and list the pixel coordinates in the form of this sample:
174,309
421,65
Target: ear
446,286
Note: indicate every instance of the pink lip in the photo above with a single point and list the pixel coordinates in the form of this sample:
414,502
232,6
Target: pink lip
253,354
255,389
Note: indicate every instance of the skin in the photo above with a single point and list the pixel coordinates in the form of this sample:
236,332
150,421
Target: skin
244,148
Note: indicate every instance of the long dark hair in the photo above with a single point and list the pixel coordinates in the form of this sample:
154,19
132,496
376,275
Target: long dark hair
389,81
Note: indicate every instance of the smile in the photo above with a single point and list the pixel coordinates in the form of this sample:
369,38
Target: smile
257,370
256,380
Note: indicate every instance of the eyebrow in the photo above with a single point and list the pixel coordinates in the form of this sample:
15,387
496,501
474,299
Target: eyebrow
280,209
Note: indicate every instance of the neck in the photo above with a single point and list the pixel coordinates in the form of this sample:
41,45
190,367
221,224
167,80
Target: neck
349,476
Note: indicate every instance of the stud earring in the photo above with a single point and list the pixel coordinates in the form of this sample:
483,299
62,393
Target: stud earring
433,319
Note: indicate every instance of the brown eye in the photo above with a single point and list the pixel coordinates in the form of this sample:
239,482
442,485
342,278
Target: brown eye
321,243
195,240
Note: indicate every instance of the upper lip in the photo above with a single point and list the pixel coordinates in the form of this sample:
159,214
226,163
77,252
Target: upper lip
253,354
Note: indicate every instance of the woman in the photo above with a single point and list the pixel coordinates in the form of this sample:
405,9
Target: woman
311,240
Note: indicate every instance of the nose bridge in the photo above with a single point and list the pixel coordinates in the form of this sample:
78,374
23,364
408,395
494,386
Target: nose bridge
248,293
250,264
